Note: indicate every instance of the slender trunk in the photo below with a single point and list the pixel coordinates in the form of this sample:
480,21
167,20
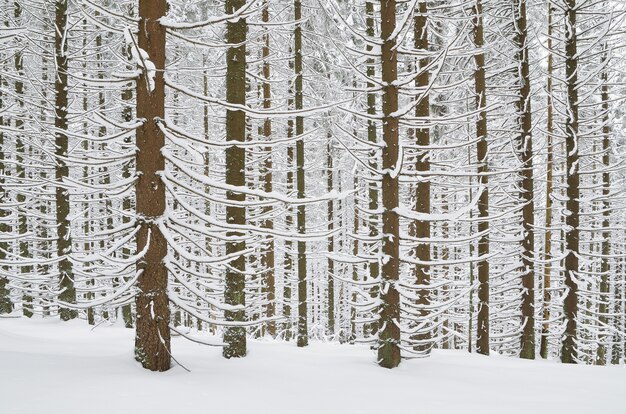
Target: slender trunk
20,170
570,304
267,259
303,336
127,116
482,330
152,337
6,306
525,150
421,228
331,240
547,270
389,328
603,308
372,136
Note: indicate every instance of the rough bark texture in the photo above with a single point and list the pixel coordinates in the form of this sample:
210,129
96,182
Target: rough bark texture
234,294
421,228
525,151
547,270
482,330
570,304
152,337
303,336
62,199
389,329
268,256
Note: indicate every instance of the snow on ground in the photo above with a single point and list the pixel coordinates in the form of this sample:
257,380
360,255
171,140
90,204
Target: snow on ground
51,367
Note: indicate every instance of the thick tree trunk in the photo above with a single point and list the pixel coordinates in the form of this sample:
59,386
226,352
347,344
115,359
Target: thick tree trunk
482,330
152,337
525,150
421,228
389,328
303,335
570,304
235,336
62,199
547,270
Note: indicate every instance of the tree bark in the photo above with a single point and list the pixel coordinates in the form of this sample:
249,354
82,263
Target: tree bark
482,330
421,228
268,256
235,336
525,150
570,304
389,321
547,270
303,336
152,337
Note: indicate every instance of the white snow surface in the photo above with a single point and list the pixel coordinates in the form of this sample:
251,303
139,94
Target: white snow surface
48,366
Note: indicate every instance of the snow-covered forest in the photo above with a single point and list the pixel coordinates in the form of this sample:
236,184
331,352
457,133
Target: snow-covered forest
405,177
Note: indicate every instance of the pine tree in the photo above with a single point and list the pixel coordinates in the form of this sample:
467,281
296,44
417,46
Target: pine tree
389,322
480,87
152,338
572,217
234,294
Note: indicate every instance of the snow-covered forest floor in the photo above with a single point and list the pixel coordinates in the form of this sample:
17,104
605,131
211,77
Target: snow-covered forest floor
51,367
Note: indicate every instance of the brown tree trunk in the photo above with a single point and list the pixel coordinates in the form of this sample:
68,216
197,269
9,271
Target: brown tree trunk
64,240
235,336
267,259
570,304
421,228
547,270
525,150
152,337
303,336
482,330
389,329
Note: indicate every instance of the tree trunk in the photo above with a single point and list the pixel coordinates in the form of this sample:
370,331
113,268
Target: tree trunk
331,240
525,150
421,228
389,328
547,270
482,330
267,259
152,337
235,336
570,304
303,336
